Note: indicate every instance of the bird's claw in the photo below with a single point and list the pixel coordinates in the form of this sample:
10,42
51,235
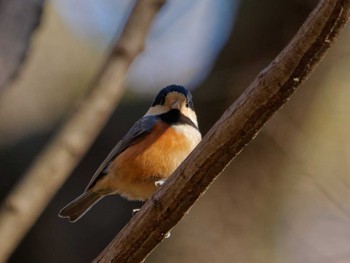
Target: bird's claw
159,183
134,211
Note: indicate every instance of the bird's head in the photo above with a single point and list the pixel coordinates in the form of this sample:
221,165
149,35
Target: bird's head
174,97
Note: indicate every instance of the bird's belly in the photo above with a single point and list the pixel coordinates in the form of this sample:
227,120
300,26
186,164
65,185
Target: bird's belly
156,157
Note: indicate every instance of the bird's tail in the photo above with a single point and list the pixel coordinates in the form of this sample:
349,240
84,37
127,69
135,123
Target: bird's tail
79,206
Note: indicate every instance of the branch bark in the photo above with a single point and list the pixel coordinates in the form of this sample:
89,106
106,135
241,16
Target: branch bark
237,127
18,21
29,198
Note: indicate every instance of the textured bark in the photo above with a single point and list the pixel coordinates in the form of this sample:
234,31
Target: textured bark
29,198
18,21
237,127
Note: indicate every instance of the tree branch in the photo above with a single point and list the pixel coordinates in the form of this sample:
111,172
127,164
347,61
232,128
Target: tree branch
25,203
237,127
18,20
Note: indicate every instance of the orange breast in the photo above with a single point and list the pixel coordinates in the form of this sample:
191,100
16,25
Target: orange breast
156,157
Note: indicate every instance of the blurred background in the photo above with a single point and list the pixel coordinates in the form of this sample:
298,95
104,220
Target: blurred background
286,197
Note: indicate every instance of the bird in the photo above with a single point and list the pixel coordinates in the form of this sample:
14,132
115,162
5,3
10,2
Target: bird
147,155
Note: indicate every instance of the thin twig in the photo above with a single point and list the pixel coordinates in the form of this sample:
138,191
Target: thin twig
237,127
29,198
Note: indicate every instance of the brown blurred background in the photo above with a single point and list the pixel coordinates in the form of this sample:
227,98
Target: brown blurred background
286,197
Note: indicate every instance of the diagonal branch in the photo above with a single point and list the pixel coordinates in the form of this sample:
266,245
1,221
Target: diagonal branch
237,127
29,198
18,21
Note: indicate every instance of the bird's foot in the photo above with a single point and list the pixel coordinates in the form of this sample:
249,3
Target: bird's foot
134,211
167,234
159,183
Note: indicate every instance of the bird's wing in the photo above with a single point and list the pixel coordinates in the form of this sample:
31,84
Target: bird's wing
140,129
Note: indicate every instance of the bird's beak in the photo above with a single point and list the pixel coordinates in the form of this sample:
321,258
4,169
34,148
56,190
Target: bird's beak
177,104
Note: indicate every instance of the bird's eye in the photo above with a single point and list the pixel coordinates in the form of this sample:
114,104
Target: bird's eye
187,104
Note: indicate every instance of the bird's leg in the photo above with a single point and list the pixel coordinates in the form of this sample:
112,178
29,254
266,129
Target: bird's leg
157,184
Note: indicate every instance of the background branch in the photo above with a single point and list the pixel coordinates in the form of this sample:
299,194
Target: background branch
238,125
18,20
26,202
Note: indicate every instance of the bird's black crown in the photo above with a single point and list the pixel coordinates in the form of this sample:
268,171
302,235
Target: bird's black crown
160,99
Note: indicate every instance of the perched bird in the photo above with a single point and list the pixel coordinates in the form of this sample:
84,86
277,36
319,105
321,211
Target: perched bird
151,151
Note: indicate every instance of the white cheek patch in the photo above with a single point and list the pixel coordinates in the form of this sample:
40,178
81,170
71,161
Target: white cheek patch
156,110
189,113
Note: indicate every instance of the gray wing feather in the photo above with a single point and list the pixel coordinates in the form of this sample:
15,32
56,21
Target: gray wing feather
140,129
